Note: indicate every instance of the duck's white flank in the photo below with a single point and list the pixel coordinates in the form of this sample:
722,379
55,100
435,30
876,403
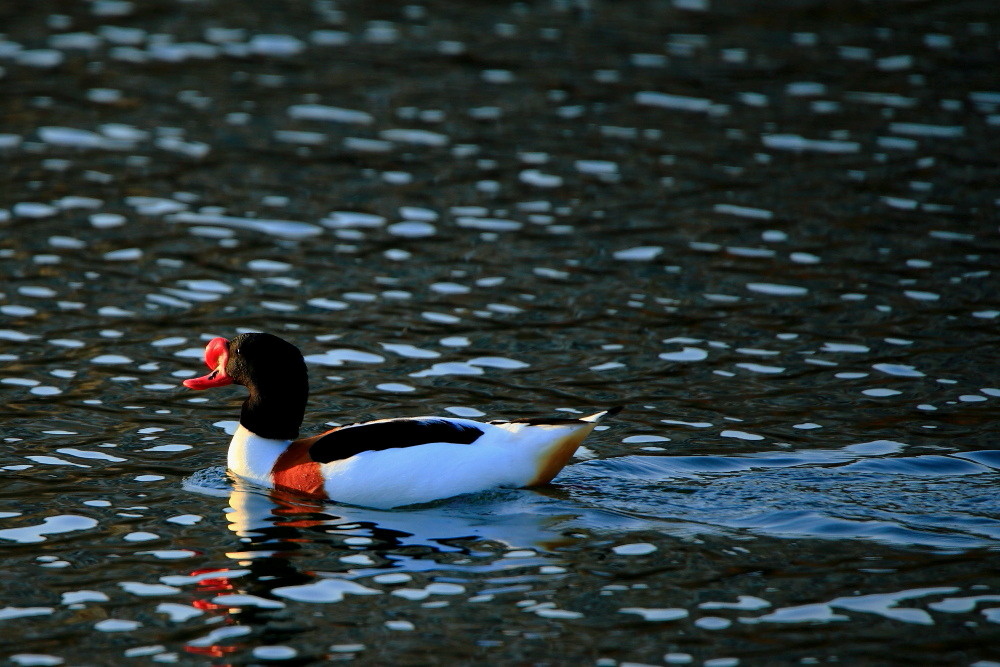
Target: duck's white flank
514,454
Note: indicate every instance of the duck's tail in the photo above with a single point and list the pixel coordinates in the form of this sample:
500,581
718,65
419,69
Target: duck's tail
603,414
562,440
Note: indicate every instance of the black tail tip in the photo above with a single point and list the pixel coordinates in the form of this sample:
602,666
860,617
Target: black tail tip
611,412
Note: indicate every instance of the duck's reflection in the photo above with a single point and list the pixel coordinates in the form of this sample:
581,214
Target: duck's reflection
292,548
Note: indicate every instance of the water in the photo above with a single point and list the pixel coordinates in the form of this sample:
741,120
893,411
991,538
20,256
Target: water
768,231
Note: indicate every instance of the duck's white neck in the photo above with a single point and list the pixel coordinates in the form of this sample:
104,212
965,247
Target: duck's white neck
253,457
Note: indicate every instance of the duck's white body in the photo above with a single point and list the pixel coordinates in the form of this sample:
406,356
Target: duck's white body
383,463
510,454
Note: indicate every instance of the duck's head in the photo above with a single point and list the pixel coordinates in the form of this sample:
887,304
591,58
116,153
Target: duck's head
258,361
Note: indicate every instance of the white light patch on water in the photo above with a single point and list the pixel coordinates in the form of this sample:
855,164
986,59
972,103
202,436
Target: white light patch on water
184,580
30,209
807,613
322,112
881,392
927,130
440,318
53,461
17,311
670,101
608,366
684,423
636,549
111,359
395,387
87,454
274,652
168,554
744,212
638,253
885,604
37,291
116,625
461,411
178,613
596,167
741,435
412,229
743,603
123,255
73,137
228,426
245,600
961,605
220,634
140,536
798,143
20,382
144,590
637,439
268,265
287,229
900,370
775,289
340,356
154,206
106,220
403,626
324,591
713,623
185,519
35,659
540,179
687,354
450,288
276,45
327,304
760,368
552,612
7,613
15,336
498,362
845,347
350,219
417,137
656,615
448,368
410,351
488,224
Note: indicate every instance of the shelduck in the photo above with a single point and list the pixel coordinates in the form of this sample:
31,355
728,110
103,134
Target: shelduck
383,463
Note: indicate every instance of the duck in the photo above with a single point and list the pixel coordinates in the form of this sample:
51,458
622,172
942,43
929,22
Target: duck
383,463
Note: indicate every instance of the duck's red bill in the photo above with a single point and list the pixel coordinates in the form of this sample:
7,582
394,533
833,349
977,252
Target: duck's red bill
216,358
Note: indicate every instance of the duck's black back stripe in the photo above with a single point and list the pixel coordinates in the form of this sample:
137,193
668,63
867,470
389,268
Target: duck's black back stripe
345,442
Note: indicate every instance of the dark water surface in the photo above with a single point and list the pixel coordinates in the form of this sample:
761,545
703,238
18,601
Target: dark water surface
769,229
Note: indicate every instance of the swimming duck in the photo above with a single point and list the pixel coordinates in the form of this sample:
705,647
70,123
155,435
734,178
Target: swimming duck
382,463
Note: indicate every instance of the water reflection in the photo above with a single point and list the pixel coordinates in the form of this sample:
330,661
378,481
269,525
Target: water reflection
772,238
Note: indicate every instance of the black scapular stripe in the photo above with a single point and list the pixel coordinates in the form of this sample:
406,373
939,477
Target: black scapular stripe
389,434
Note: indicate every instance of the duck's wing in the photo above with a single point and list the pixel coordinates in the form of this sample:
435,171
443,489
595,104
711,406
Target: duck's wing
344,442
